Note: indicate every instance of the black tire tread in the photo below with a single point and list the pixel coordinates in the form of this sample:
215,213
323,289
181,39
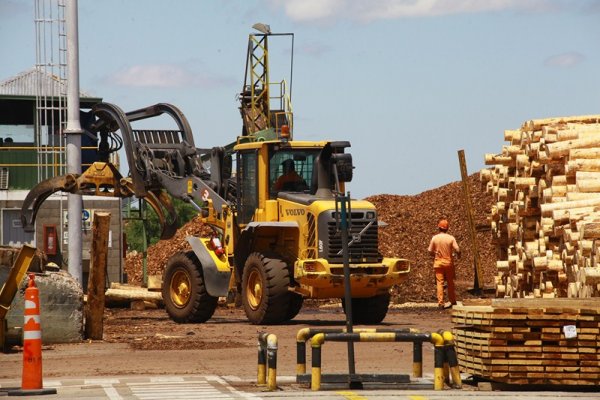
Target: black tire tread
275,306
369,310
201,306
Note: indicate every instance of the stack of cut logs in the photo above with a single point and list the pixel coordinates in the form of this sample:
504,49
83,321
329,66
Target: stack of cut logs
529,341
546,220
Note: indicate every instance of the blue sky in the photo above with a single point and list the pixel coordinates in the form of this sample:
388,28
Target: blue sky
408,82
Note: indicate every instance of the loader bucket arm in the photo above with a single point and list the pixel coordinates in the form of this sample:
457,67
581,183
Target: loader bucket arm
37,195
112,118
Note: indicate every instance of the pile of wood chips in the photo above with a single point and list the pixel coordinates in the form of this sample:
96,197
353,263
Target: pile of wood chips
412,220
159,253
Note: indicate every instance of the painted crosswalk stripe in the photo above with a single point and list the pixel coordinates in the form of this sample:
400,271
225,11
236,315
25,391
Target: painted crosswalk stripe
177,390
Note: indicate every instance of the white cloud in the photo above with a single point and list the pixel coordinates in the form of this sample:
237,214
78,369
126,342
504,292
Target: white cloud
163,76
309,10
565,60
361,10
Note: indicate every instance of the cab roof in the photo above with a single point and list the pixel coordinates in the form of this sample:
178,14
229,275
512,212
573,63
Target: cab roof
290,143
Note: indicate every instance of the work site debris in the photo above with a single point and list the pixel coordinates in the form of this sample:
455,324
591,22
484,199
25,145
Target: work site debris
412,220
546,217
159,253
529,341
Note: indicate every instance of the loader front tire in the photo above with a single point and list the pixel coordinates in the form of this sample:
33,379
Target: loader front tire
184,294
369,310
265,293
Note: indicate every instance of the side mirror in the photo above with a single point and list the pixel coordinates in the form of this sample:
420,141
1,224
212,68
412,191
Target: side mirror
343,162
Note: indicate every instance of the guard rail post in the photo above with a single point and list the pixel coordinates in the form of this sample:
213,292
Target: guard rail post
267,360
418,359
452,359
316,342
261,378
438,361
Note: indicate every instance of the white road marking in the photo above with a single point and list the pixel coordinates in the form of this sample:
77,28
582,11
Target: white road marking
111,392
101,381
197,388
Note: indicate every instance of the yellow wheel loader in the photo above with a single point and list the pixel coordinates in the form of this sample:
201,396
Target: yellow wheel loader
270,201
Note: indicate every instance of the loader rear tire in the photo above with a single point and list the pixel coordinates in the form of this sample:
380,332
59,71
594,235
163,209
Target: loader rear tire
184,294
296,302
369,310
265,293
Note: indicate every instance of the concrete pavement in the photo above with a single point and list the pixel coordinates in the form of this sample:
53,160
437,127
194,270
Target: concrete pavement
204,387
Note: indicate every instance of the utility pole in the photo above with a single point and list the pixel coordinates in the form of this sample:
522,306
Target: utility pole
73,133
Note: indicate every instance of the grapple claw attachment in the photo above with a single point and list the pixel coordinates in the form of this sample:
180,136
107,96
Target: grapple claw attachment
100,179
37,195
161,203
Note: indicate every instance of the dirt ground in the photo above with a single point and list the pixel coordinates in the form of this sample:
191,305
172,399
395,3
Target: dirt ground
148,342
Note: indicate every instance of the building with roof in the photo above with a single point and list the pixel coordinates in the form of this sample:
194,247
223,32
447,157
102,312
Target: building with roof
32,149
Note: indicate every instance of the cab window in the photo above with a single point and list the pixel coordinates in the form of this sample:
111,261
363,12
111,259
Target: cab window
291,171
247,181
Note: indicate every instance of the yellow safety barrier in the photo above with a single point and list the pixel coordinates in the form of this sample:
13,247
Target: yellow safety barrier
452,359
444,352
267,360
438,361
305,334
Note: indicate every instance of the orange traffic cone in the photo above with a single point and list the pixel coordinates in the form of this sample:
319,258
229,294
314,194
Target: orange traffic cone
31,382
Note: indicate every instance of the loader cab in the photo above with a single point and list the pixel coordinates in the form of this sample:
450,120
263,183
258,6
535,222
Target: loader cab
261,174
261,166
291,170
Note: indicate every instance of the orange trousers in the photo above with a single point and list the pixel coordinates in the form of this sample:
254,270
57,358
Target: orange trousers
445,273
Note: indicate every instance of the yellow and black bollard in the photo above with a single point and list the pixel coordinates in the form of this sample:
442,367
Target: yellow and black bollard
446,367
438,361
452,359
271,362
267,360
316,343
418,359
261,378
301,338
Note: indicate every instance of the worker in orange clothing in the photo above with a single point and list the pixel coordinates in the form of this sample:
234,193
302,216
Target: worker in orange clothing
290,180
442,247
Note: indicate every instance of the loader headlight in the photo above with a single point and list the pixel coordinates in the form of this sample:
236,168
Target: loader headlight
370,214
313,266
402,266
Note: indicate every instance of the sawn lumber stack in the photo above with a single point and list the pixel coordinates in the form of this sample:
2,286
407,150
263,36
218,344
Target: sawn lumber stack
522,341
546,220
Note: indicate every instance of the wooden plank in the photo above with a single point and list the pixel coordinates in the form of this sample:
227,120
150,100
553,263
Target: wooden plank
587,303
521,342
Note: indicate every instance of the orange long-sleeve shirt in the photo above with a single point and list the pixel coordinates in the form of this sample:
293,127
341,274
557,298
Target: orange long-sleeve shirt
442,245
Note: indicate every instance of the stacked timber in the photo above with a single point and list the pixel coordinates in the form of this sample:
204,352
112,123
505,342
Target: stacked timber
530,341
546,217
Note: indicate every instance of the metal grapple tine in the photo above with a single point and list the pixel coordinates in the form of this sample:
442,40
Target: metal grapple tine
160,201
36,197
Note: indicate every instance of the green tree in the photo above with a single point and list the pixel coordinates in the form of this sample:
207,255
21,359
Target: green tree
134,228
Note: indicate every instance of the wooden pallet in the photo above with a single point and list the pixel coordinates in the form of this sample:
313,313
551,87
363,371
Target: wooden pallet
521,341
